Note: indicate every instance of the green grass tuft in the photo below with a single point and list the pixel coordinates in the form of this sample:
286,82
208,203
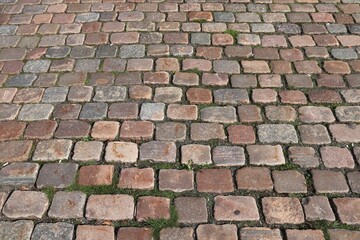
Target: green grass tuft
160,223
233,33
50,192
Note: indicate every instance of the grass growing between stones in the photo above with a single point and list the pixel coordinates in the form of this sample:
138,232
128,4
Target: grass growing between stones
50,192
325,226
160,223
233,33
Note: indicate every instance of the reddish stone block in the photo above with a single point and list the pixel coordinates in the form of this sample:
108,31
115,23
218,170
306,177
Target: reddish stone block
96,175
136,178
214,180
241,134
40,129
149,207
137,130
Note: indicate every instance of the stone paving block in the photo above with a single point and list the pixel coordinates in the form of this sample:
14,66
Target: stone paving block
137,130
57,175
228,156
96,175
336,157
110,207
348,210
15,151
175,233
87,151
277,133
34,112
72,129
93,111
136,178
214,180
55,94
289,181
19,174
149,207
66,205
53,230
135,233
91,232
52,150
40,129
21,80
176,180
11,130
314,134
266,155
196,154
294,234
303,156
254,178
105,130
110,94
282,210
158,151
191,210
218,114
207,131
327,181
170,131
249,233
217,232
152,111
317,208
235,208
26,205
67,111
20,229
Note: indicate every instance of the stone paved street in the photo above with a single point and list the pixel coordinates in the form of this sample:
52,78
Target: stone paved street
179,119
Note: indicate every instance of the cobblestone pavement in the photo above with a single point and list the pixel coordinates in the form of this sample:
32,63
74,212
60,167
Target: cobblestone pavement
180,119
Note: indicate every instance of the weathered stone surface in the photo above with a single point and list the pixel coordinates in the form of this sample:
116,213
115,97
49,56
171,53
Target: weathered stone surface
121,152
149,207
217,232
174,233
26,204
252,233
348,210
137,178
282,210
196,154
91,232
15,151
289,181
277,133
235,208
20,229
110,207
317,208
52,150
218,114
191,210
43,231
207,131
57,175
19,174
158,151
254,178
66,205
176,180
266,155
228,156
96,175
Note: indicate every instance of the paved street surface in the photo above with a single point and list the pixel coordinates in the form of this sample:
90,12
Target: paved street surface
179,119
